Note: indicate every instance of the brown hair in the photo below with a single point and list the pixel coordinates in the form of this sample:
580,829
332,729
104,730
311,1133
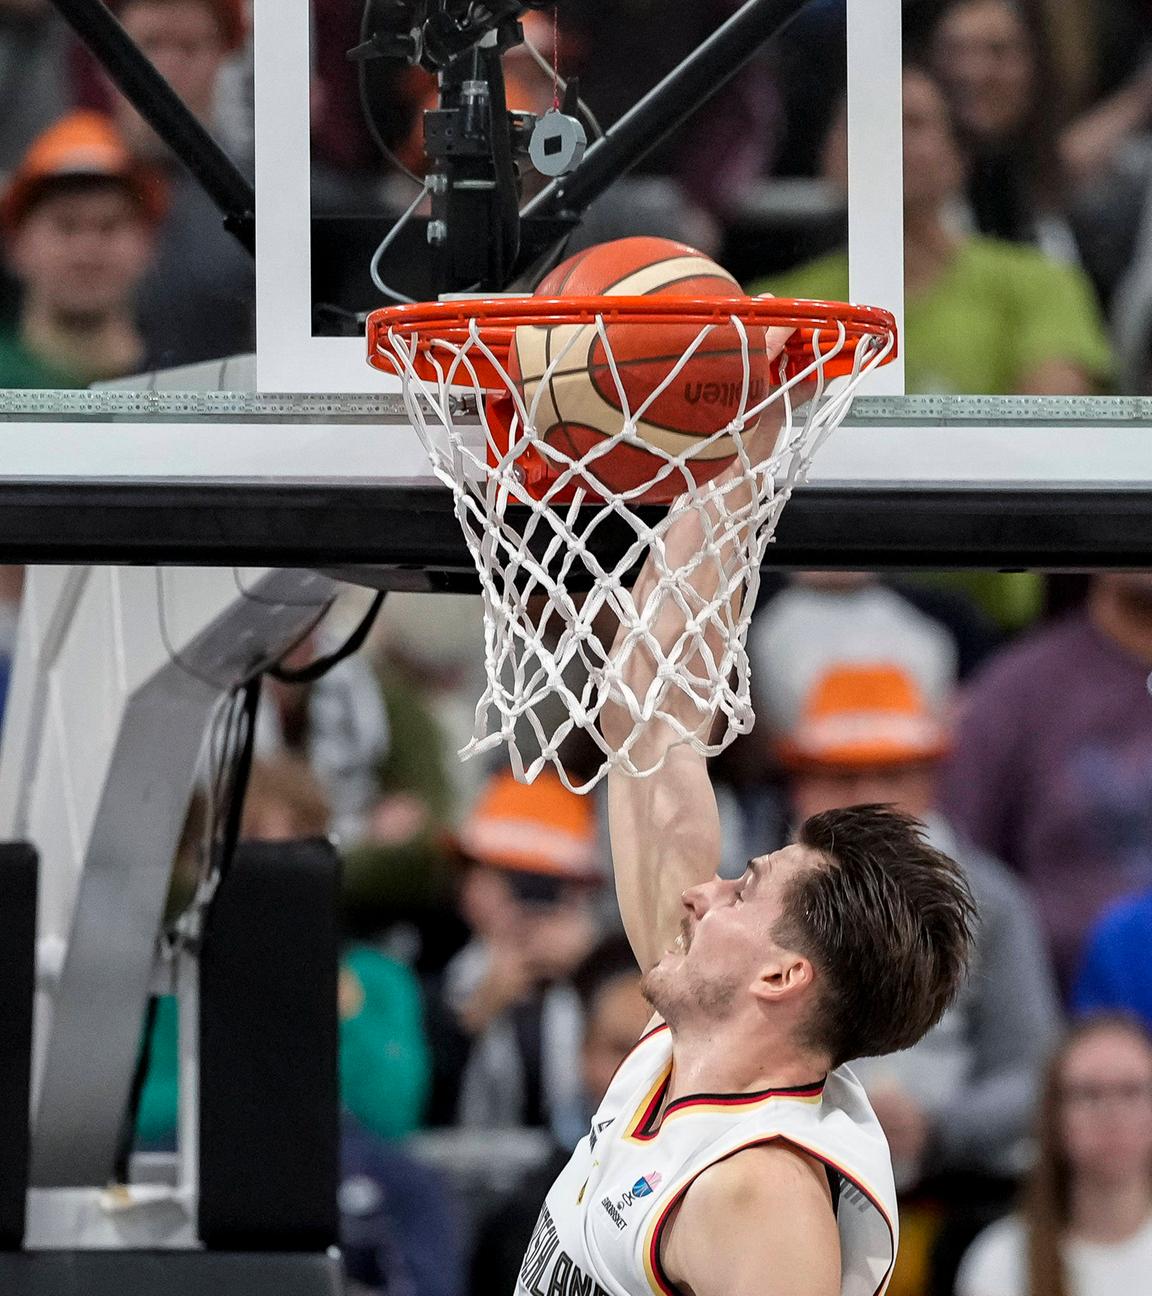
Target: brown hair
887,921
1045,1199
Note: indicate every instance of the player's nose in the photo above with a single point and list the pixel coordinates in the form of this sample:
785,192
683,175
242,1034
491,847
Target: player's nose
697,899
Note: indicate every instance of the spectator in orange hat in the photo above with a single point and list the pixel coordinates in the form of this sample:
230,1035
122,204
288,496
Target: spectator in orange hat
507,1023
79,220
956,1107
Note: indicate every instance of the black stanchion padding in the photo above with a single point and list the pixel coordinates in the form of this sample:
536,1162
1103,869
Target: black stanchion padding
269,1101
19,867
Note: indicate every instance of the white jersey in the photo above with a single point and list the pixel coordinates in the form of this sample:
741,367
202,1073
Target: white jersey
600,1231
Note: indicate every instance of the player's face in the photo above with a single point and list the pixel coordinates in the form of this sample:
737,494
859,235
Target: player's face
726,939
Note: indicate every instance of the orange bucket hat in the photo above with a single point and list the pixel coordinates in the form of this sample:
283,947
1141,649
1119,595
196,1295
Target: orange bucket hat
537,828
83,144
862,715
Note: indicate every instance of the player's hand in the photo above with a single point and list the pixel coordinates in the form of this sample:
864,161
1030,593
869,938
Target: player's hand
768,435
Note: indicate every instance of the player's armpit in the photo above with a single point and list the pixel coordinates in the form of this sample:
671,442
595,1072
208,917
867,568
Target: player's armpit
758,1224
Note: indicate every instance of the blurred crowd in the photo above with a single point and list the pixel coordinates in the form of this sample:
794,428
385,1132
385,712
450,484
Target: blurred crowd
486,991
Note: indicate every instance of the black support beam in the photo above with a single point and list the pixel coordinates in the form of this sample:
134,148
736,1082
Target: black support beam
411,533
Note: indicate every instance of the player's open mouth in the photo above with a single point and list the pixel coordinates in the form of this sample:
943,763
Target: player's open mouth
682,941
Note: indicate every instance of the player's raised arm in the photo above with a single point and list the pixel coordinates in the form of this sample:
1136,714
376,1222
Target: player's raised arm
665,828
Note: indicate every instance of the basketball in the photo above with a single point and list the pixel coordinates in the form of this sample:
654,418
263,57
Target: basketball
584,400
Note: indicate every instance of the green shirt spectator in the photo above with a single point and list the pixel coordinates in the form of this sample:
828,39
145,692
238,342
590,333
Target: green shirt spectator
20,368
997,313
384,1062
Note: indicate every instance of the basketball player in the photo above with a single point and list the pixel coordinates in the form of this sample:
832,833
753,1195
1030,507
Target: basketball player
733,1154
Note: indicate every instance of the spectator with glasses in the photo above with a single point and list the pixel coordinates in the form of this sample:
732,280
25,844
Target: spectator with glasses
1085,1224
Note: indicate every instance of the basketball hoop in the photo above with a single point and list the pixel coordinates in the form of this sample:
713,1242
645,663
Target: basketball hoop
541,509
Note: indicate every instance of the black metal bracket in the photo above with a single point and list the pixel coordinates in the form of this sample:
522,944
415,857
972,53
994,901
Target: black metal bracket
438,34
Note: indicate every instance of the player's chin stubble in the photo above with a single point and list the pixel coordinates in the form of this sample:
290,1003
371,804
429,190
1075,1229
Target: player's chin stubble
683,997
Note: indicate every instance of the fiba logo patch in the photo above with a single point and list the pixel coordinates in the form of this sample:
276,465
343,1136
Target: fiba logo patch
643,1187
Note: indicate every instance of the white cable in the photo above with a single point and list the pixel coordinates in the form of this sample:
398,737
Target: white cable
389,238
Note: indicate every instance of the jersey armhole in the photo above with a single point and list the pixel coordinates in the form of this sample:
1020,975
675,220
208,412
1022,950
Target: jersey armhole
653,1264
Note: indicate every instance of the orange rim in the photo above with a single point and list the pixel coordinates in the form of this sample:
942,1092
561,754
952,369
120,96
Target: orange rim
431,326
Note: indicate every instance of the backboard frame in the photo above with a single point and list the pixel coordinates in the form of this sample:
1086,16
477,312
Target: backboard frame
341,484
291,359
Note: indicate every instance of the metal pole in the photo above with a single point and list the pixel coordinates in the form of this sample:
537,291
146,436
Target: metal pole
163,110
668,104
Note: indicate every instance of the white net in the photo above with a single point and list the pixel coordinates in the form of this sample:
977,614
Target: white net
567,632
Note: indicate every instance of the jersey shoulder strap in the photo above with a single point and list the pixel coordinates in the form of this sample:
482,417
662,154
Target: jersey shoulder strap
647,1061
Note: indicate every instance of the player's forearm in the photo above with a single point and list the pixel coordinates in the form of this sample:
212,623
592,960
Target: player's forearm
706,546
665,834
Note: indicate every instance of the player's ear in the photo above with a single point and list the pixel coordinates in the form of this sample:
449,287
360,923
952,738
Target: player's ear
784,974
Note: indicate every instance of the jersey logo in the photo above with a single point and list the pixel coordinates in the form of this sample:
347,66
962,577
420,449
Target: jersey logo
643,1187
646,1186
595,1132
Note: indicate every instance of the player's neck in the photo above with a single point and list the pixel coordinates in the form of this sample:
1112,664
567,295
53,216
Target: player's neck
727,1061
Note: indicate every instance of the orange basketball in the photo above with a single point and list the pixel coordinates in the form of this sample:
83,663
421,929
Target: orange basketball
584,400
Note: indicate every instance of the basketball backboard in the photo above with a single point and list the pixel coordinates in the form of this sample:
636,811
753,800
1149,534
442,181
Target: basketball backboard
903,481
867,38
293,357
